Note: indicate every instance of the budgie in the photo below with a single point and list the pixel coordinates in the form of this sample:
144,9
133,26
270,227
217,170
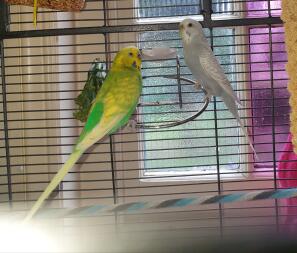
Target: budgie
206,69
112,108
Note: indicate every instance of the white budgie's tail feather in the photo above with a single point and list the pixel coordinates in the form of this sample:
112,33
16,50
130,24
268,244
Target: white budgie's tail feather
73,158
238,101
245,131
231,105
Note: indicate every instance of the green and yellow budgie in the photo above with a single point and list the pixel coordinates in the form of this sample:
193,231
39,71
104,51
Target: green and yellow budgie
112,108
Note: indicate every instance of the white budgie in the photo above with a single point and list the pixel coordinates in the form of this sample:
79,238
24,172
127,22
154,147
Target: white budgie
207,70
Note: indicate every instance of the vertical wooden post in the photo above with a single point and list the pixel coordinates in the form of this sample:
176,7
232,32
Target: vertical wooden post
289,16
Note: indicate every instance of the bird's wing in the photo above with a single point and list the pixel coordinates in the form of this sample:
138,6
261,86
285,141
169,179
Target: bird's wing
213,69
105,112
97,108
93,120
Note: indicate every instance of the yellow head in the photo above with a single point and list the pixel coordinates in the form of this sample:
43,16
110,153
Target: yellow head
128,57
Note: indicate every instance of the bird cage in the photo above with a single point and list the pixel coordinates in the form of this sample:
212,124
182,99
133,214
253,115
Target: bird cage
184,182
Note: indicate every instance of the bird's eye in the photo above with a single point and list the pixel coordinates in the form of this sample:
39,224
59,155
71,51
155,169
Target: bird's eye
190,25
131,54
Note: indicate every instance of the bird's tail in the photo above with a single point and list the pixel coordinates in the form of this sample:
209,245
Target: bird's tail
231,105
54,183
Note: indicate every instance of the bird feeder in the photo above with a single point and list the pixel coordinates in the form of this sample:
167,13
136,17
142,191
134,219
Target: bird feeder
61,5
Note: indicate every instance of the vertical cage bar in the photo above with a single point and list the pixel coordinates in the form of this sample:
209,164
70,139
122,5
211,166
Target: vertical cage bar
207,11
5,123
111,145
3,17
216,130
253,121
273,123
113,174
179,85
269,8
219,183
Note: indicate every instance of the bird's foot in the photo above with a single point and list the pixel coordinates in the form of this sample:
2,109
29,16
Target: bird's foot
198,86
207,97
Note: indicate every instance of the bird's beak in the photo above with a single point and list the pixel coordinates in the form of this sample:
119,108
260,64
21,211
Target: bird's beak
140,54
137,65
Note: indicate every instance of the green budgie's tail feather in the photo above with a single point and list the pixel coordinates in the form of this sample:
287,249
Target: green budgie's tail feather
54,183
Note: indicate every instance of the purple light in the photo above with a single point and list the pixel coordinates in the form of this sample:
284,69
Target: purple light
261,8
262,79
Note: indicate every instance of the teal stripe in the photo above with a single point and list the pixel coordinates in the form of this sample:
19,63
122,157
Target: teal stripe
137,206
231,198
184,202
90,210
285,193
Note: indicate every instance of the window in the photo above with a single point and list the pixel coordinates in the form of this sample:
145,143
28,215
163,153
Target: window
163,9
189,149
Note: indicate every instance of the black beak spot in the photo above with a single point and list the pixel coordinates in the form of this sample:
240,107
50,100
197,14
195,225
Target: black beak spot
134,64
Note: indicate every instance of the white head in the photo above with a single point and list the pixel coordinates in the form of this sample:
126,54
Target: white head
189,27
